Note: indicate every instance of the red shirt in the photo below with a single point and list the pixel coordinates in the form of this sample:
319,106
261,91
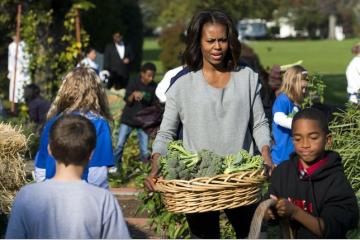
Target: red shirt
310,170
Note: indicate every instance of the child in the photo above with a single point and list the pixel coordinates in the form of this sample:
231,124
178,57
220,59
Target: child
38,106
286,105
65,206
80,93
140,93
89,60
311,188
353,76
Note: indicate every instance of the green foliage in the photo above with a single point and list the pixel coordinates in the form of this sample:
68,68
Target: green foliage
345,130
165,224
164,13
39,46
67,59
172,44
226,229
315,91
131,166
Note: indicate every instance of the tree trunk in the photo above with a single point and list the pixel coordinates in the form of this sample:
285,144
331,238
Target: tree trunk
332,24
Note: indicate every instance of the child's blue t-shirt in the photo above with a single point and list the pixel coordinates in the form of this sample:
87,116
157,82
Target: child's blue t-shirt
103,153
283,145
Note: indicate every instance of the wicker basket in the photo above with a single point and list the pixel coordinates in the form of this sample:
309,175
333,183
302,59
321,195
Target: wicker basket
210,194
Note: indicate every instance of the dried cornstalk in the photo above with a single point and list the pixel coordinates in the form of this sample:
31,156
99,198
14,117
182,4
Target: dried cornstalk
12,168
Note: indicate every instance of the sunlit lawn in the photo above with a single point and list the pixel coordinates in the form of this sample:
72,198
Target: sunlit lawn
325,57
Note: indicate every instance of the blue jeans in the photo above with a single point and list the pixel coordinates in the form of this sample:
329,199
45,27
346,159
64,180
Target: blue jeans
124,133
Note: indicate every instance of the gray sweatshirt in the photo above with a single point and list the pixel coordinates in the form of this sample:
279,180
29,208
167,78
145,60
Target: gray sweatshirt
223,120
66,209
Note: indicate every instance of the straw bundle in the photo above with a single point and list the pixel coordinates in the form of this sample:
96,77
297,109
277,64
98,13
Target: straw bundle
12,169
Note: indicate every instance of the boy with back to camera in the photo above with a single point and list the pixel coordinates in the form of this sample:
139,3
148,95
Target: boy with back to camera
66,206
311,188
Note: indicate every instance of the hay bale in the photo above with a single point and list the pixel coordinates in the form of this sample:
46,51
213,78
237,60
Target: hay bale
12,168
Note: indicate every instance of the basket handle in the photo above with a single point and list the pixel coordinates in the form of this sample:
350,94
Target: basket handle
258,218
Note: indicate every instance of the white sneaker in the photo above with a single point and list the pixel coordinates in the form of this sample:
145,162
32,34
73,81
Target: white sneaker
113,170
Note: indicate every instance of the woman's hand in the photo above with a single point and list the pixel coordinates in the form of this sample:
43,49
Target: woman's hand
265,153
149,182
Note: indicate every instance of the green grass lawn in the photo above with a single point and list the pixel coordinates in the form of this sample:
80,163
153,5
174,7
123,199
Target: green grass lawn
151,52
326,57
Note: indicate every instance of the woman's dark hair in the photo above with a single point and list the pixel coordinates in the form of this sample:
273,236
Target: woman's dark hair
192,54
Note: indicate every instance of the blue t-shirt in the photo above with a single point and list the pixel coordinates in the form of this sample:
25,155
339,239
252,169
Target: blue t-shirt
102,156
283,145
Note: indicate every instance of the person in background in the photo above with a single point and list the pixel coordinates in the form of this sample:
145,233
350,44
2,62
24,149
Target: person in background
140,94
311,189
80,93
353,76
117,59
37,105
287,103
219,106
66,206
16,93
89,60
164,84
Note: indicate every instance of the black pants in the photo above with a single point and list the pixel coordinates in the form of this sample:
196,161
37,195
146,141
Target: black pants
207,225
117,81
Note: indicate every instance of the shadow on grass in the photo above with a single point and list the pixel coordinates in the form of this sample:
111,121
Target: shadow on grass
151,54
335,91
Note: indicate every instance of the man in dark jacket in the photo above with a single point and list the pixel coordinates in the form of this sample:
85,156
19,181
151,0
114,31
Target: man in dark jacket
117,59
311,188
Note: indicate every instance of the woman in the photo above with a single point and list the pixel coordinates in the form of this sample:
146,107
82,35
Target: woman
219,106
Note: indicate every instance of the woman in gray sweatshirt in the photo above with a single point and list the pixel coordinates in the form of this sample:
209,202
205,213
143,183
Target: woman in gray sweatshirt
219,106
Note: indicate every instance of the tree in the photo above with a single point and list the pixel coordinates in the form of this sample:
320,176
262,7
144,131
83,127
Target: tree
113,15
319,15
164,13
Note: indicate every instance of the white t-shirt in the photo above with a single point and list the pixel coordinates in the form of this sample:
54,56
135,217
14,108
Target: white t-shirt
89,63
353,75
164,84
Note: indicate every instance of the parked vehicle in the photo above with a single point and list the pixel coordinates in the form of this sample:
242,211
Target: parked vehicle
252,29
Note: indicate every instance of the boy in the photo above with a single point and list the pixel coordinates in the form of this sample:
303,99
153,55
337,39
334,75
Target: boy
311,188
38,106
140,93
65,206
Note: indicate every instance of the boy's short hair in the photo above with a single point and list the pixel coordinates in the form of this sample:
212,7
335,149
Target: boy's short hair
148,66
315,115
72,139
